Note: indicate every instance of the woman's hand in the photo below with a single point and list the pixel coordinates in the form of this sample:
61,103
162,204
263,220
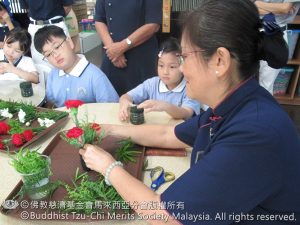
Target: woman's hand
153,105
96,158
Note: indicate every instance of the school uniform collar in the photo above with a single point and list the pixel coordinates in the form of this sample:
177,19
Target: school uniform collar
15,63
78,69
163,88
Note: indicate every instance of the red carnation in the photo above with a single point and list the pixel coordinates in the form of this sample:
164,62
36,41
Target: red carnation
17,140
28,134
73,103
96,126
4,128
75,132
2,145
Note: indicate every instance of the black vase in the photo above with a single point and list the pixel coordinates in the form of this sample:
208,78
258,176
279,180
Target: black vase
84,167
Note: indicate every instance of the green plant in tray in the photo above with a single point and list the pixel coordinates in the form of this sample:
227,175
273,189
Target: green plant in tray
127,152
86,190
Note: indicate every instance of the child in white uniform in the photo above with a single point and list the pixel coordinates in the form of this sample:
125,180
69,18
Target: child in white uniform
165,92
13,64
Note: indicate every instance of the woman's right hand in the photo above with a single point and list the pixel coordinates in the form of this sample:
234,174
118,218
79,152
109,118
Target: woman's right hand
96,158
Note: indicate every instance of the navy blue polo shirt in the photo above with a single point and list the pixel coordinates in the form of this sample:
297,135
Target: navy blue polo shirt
45,9
245,163
124,17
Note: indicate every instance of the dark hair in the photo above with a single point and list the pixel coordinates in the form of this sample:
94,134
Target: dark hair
3,6
45,34
234,25
170,45
20,35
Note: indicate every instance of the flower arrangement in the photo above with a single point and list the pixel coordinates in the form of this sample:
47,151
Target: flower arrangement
83,132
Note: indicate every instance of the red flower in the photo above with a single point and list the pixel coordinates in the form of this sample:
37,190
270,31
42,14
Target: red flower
2,145
96,126
4,128
28,134
75,132
17,140
73,103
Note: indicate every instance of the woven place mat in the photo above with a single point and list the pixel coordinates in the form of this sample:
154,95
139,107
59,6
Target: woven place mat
64,162
34,124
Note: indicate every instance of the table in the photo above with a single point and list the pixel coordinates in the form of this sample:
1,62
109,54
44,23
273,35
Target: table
100,113
10,90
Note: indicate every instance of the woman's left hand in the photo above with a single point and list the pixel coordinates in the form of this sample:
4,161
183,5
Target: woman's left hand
96,158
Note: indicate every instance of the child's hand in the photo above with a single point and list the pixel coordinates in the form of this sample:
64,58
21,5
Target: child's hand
6,67
153,105
6,17
2,71
123,110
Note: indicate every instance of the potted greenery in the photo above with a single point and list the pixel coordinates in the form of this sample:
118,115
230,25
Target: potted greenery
35,171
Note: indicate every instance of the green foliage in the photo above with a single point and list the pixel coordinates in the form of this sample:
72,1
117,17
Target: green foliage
126,152
52,115
27,162
15,127
12,107
85,190
30,110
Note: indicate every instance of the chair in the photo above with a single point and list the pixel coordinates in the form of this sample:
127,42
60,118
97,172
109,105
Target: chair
43,71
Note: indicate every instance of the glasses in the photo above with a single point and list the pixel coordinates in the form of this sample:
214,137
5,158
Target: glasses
54,50
182,57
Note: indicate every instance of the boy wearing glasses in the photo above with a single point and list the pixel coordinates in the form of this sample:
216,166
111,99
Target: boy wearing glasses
73,77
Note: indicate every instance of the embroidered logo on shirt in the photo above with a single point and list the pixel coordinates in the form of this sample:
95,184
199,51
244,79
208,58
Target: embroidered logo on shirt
81,91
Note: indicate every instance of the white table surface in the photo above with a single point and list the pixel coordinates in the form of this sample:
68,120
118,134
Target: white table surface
10,90
100,113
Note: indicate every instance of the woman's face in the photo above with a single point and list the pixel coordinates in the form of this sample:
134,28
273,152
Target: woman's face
168,70
12,51
196,72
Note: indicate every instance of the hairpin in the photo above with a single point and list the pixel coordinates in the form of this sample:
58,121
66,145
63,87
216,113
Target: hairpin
161,52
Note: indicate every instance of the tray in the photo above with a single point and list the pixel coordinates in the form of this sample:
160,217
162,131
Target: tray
34,124
64,162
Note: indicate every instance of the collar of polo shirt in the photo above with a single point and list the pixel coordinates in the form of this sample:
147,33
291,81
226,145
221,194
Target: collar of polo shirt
163,88
78,69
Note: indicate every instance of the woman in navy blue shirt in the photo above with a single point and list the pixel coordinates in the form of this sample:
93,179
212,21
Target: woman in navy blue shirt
127,30
246,151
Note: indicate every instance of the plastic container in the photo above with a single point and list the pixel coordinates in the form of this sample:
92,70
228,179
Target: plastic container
37,184
26,89
88,25
292,36
282,81
137,115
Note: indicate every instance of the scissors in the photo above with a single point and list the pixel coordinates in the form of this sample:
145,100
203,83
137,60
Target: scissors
159,177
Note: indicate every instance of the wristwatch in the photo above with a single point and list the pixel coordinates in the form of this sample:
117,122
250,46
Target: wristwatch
129,42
